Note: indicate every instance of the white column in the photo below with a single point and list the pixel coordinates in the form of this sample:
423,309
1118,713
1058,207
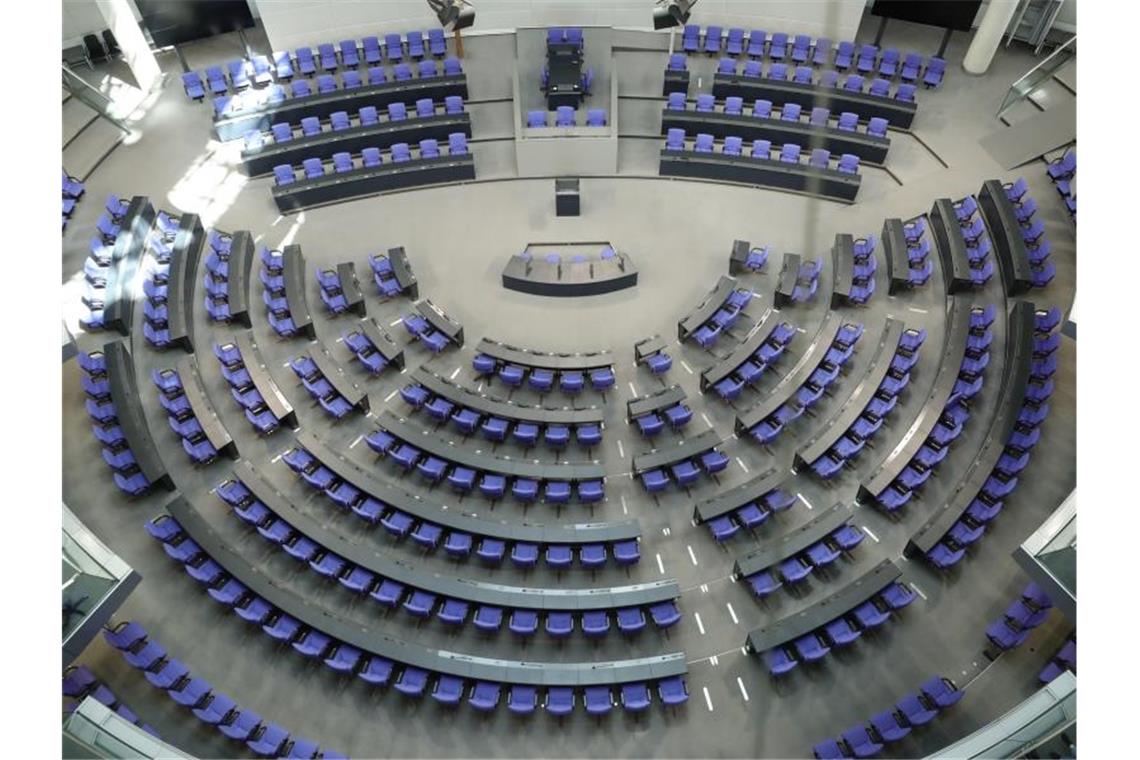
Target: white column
988,35
120,17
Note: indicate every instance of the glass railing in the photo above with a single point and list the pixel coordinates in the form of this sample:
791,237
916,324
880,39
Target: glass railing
1034,722
97,101
95,581
1038,75
95,731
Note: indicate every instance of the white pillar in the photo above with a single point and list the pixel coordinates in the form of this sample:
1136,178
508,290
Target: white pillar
988,35
120,17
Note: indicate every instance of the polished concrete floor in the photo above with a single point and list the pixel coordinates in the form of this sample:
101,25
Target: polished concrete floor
679,233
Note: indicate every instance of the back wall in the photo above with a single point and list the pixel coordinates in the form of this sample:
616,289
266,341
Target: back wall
292,23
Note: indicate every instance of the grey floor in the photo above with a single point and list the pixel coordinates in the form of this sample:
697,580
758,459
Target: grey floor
679,233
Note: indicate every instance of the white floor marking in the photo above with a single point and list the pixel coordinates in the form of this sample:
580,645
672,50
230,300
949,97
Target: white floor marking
624,508
705,417
805,501
359,438
916,309
665,531
621,450
660,565
393,324
704,587
869,533
687,367
286,364
390,395
456,372
276,458
340,339
743,691
479,387
800,329
632,389
708,699
692,556
743,466
732,612
918,591
700,625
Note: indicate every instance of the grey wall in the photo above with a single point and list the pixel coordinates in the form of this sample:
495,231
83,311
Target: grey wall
292,23
82,17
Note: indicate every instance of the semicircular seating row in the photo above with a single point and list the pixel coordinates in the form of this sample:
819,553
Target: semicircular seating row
262,70
411,679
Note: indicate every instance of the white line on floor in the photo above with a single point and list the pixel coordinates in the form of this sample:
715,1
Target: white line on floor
916,309
624,508
390,395
479,387
692,556
705,417
700,625
918,591
621,450
732,612
800,329
456,372
340,339
805,501
714,660
704,587
393,324
276,458
869,533
708,699
359,438
743,466
665,531
632,389
687,367
286,364
743,691
660,565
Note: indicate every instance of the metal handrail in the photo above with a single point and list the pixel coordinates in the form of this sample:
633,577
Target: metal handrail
1032,79
97,101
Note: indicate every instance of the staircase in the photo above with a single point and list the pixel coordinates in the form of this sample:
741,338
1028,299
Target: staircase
89,134
1032,22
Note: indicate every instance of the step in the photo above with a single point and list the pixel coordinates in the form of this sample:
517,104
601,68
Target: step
1067,75
76,116
90,147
